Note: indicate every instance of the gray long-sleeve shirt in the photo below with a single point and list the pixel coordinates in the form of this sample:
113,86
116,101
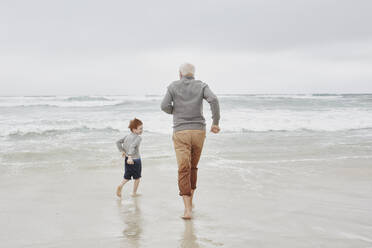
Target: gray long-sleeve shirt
130,145
184,100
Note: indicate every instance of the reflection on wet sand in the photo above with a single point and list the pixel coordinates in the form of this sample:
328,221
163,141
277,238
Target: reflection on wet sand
132,218
189,239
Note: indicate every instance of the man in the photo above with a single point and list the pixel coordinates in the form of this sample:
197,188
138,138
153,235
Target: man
184,100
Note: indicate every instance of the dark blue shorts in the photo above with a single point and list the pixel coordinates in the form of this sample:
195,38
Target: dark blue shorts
132,170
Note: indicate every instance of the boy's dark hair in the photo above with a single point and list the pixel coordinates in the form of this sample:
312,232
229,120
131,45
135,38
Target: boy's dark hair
134,124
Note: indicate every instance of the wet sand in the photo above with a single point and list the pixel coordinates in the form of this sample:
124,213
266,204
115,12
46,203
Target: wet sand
299,205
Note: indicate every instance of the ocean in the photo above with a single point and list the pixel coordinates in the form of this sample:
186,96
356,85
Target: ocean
73,131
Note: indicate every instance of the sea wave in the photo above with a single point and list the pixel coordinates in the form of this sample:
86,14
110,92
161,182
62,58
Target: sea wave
326,94
76,101
140,103
87,98
247,130
32,105
55,132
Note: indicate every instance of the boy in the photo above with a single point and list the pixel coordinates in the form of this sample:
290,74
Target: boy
129,146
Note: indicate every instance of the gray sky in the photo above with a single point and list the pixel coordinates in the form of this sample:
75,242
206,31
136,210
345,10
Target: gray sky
134,47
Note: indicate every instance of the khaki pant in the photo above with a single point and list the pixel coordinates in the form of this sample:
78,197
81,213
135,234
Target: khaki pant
188,145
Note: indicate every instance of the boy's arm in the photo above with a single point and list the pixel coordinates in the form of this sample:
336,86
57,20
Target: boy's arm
213,102
119,144
166,104
133,146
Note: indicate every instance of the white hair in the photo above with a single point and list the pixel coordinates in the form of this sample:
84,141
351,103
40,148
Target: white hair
187,69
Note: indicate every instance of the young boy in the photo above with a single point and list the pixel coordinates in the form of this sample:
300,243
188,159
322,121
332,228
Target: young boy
129,146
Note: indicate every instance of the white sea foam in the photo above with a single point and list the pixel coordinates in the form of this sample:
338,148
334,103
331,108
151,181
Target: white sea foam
244,120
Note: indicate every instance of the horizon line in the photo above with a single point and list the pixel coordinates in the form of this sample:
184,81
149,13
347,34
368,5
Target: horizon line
218,94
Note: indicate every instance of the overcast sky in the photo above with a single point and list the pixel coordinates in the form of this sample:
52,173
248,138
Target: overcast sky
135,47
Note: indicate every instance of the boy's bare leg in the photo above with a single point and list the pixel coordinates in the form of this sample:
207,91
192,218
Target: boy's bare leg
118,190
188,207
135,187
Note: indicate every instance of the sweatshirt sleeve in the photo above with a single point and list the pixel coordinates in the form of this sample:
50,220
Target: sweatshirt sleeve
119,144
213,102
166,104
132,147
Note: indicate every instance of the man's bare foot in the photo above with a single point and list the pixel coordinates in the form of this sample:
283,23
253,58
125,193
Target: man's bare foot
118,191
186,215
135,195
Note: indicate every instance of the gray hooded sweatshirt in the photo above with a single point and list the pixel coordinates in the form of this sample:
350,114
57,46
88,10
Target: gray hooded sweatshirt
184,100
130,145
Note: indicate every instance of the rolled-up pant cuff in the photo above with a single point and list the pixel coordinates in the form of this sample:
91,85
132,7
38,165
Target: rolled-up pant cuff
182,194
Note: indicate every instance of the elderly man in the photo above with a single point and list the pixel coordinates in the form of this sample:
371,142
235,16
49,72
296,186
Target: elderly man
184,100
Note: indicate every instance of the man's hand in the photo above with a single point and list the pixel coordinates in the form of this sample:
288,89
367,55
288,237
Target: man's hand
130,160
215,129
123,155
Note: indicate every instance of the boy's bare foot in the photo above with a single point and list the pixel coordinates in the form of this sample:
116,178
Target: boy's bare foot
118,191
135,195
